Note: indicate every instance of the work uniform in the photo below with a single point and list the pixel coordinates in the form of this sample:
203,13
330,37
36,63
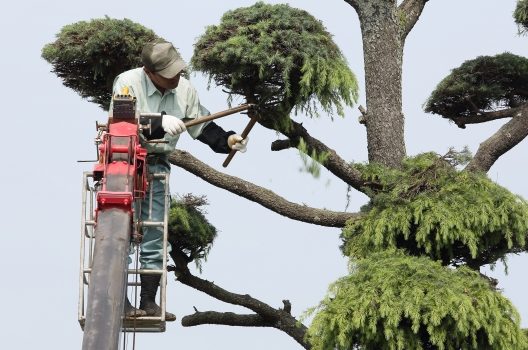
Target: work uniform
183,103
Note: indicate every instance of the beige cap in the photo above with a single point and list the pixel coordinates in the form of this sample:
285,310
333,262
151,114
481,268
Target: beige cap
162,58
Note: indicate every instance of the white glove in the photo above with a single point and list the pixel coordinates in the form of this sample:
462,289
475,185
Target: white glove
172,125
237,143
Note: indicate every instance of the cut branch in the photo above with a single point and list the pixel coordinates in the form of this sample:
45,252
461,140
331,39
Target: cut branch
362,119
411,9
507,137
280,145
265,315
258,194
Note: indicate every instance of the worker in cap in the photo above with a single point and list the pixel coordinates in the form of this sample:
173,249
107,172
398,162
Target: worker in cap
160,87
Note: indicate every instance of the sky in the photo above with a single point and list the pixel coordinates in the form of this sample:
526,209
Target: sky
48,127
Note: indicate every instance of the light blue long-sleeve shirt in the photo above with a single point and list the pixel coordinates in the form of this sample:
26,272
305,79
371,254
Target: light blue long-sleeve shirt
181,102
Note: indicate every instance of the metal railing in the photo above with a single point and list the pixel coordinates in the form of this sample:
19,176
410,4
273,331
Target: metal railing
88,222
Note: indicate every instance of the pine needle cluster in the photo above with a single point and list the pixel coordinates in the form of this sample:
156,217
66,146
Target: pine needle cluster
520,15
88,55
189,230
311,160
278,57
430,208
391,301
486,83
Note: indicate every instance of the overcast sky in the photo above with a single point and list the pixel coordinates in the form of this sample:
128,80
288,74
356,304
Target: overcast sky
48,127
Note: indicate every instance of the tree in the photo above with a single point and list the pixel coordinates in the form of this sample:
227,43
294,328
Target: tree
87,56
421,208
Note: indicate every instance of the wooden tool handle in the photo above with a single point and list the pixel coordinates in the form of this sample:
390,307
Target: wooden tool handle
217,115
244,135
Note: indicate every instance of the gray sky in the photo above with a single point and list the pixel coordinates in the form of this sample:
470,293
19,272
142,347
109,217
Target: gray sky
49,127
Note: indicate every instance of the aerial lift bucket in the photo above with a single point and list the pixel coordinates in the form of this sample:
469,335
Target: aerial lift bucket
89,234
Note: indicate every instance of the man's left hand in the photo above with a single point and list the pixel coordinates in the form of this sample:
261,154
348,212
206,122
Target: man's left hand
237,143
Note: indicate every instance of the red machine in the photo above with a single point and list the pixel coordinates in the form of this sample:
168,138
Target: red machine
121,158
119,179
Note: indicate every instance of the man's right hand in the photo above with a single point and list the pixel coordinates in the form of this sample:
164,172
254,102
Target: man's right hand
172,125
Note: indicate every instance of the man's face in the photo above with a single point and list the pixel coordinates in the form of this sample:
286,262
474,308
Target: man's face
164,83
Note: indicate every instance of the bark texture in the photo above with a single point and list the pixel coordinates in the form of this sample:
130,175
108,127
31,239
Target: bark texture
264,315
259,194
383,56
482,117
410,11
507,137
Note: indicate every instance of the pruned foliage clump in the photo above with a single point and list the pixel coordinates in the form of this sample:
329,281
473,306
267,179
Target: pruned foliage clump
521,15
486,83
430,208
88,55
189,230
279,57
391,301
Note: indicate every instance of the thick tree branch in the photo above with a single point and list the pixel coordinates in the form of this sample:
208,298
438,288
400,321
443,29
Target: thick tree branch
224,318
258,194
508,136
483,117
411,9
266,316
334,163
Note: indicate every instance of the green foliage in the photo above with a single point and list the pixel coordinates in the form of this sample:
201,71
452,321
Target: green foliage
279,56
483,84
189,230
87,56
391,301
311,160
521,15
428,207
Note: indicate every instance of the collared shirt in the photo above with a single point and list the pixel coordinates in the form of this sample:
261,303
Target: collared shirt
181,102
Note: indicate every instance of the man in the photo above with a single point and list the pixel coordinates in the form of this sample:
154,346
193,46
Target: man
160,88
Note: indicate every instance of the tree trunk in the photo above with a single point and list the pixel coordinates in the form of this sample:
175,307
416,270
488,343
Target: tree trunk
383,54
